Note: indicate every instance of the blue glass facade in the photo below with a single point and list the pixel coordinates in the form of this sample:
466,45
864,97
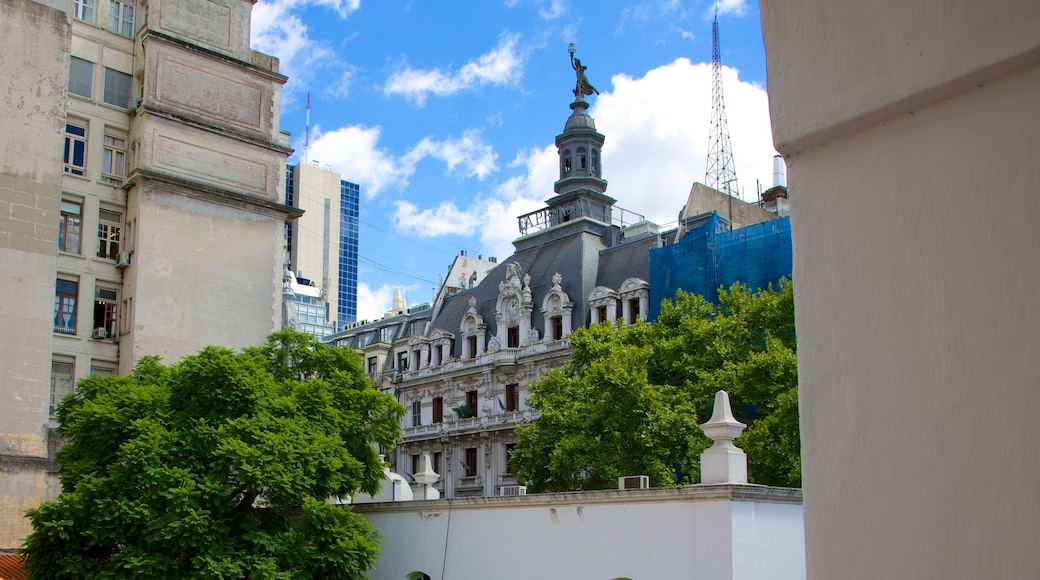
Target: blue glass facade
290,187
349,202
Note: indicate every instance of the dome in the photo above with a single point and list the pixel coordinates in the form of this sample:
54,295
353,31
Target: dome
579,120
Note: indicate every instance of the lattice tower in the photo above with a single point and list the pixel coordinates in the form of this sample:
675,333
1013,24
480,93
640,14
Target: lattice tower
721,173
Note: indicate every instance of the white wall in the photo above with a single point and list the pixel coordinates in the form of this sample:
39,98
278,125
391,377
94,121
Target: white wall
911,132
711,532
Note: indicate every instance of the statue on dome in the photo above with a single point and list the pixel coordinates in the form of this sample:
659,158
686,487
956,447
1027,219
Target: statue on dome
583,86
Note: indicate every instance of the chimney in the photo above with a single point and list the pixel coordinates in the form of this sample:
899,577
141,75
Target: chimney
779,171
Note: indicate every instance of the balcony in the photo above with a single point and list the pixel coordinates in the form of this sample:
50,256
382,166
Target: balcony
502,420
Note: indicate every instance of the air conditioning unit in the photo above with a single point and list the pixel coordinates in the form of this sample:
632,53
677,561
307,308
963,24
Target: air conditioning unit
634,482
123,260
512,490
100,332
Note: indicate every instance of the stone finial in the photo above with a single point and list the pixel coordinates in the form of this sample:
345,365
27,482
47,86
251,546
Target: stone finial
557,279
723,462
426,478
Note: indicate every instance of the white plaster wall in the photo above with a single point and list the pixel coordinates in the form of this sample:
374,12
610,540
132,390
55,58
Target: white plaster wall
203,273
573,536
916,273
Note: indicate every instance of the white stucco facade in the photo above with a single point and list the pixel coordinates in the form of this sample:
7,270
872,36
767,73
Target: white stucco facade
911,132
718,532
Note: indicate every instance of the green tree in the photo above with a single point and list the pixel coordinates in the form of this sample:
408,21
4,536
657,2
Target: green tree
219,466
630,399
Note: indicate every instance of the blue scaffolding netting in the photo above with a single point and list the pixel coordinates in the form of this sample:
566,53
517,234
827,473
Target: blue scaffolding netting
706,258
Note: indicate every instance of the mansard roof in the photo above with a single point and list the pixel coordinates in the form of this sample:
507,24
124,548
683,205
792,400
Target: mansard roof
583,261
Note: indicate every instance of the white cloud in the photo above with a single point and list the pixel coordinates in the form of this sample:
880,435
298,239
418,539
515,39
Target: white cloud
355,153
471,152
372,303
657,135
734,7
493,218
554,10
499,66
444,219
278,31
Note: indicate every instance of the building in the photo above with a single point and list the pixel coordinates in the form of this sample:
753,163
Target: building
322,245
911,133
140,204
462,366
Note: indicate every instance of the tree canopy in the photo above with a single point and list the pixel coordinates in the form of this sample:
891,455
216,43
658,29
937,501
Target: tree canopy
630,399
219,466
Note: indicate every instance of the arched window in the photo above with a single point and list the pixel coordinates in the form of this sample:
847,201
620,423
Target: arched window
417,576
566,162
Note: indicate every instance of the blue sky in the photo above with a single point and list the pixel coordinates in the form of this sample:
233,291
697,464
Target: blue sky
445,113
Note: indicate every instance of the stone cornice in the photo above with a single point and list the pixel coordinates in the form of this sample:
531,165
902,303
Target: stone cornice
700,492
208,192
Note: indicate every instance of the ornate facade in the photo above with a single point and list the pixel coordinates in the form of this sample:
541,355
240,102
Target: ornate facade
463,366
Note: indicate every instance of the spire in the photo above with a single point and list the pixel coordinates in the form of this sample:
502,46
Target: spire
721,173
580,144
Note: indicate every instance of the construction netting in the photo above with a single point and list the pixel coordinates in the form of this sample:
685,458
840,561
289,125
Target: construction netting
707,258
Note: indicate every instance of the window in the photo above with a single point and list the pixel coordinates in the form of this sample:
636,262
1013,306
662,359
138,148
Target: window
509,458
602,312
102,368
556,328
81,77
61,381
512,397
633,310
386,334
402,360
438,352
121,17
65,307
513,337
437,462
69,226
371,365
84,10
117,88
471,403
438,409
109,234
113,160
415,463
75,149
417,358
471,345
106,302
471,462
416,414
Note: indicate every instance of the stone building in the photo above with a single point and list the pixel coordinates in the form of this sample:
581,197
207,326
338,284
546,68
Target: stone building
462,366
141,189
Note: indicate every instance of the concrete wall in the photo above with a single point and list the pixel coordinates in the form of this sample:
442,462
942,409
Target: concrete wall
911,135
32,125
717,532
